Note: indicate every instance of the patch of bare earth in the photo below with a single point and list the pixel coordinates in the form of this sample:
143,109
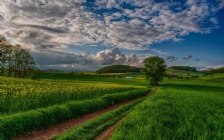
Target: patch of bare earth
109,131
50,132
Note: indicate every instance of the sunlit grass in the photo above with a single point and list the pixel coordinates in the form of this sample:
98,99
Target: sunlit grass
181,109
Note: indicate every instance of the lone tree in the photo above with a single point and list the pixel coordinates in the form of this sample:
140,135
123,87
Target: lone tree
154,69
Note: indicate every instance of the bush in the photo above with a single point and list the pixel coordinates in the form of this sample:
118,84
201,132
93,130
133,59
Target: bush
116,98
21,123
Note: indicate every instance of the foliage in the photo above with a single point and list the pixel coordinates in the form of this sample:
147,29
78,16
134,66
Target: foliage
89,130
214,71
180,74
118,69
36,74
15,60
154,69
184,68
181,109
119,97
21,123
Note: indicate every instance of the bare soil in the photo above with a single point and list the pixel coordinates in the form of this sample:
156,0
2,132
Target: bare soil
109,131
50,132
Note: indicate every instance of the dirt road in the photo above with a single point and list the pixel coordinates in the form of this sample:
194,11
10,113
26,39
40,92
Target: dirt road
48,133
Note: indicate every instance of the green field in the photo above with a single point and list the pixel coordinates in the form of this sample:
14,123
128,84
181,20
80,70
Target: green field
183,74
109,78
22,95
181,109
57,97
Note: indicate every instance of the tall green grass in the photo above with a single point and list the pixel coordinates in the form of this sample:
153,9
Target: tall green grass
181,109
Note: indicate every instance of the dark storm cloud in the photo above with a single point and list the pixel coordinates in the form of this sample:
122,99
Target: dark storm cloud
56,57
171,58
187,57
48,29
106,57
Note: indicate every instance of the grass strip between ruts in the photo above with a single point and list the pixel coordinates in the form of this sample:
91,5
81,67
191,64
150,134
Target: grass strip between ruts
90,129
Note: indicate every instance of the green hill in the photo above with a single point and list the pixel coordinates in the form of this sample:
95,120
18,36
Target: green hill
183,68
214,71
118,69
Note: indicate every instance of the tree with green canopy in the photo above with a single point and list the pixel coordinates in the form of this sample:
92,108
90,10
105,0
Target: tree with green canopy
154,69
16,61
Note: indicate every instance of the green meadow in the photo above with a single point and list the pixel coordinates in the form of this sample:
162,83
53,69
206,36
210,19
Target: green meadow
181,108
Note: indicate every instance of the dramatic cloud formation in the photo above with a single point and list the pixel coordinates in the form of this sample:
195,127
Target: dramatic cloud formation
187,57
110,56
55,57
114,56
46,26
125,24
106,57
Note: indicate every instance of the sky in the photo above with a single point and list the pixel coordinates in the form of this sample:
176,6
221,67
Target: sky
85,35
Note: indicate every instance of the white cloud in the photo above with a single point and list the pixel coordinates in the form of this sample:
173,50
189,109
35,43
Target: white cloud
221,5
210,67
214,20
55,23
110,56
159,51
45,26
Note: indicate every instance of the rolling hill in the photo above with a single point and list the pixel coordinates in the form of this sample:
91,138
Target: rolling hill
118,69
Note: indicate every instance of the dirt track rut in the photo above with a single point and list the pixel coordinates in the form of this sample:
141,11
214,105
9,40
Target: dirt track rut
50,132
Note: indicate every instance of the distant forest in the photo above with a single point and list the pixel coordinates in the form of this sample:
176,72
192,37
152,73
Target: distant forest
118,69
184,68
214,71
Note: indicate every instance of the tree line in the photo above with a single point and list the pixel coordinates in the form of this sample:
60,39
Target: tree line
16,61
214,71
118,69
184,68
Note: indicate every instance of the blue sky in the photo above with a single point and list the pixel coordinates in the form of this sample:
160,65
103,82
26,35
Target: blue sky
86,35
